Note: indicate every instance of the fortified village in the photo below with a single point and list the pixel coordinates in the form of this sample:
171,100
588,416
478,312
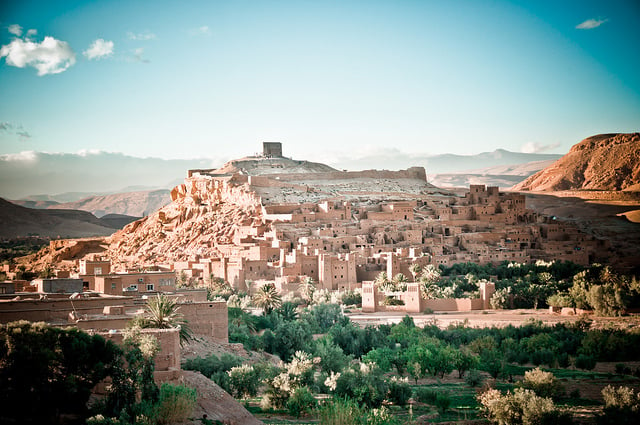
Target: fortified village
268,219
271,220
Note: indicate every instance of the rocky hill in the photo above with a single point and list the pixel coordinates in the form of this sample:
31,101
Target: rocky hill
16,221
204,215
609,162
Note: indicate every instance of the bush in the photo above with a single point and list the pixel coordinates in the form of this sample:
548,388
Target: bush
443,401
175,404
522,407
425,395
621,406
399,392
585,362
301,403
474,378
542,383
622,369
341,412
352,298
392,301
244,381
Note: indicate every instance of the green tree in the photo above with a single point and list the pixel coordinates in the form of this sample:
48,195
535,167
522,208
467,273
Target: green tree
267,298
244,381
46,371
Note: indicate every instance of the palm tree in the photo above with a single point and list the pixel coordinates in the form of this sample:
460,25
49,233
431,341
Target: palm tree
267,298
415,270
307,288
161,312
400,282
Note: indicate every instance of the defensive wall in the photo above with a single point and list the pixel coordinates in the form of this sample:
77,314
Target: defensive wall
414,303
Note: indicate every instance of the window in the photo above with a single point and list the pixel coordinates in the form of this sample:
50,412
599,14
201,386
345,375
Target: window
150,287
113,286
97,270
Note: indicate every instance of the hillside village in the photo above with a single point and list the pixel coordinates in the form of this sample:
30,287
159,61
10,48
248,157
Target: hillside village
268,219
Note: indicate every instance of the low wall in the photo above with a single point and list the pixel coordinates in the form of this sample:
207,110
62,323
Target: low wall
56,309
414,303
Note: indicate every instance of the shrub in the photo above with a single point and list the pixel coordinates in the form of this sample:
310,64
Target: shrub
585,362
341,412
443,401
522,407
425,395
392,301
352,298
244,381
175,404
399,392
621,406
474,378
301,402
559,300
544,384
622,369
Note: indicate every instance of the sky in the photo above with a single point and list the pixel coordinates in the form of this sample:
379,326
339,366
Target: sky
212,79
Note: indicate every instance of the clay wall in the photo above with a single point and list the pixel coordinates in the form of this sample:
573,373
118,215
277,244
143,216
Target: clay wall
88,267
414,303
64,286
410,173
207,318
57,310
167,358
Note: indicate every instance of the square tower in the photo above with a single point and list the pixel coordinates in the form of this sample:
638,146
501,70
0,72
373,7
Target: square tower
272,149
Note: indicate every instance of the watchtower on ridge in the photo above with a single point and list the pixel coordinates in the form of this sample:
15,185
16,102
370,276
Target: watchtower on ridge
272,149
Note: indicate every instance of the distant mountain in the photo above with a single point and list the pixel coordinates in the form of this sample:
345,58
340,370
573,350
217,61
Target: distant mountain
29,173
503,176
439,164
601,162
135,204
16,221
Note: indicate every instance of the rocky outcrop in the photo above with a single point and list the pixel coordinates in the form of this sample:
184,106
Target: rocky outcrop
204,214
602,162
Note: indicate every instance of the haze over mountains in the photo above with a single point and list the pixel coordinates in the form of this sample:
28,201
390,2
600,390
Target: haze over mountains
38,176
17,221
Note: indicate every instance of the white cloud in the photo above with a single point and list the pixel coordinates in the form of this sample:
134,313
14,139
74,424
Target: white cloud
533,147
15,29
31,33
590,24
99,49
138,55
143,36
25,156
203,30
51,56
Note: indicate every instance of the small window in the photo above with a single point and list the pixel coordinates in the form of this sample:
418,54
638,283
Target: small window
150,287
97,270
113,286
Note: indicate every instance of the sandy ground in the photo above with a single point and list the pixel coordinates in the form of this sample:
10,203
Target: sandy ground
486,318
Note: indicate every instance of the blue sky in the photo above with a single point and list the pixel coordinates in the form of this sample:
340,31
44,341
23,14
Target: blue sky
327,78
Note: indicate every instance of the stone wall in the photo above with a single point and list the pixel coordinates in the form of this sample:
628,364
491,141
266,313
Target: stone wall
56,310
207,318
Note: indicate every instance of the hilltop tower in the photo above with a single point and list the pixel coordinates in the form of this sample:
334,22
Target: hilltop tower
272,149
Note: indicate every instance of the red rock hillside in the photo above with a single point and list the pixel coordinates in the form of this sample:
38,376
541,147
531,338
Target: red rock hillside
602,162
